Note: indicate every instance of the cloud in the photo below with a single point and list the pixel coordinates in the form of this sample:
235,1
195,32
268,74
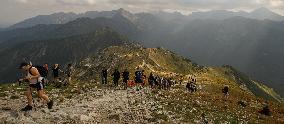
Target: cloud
76,2
276,3
154,5
16,10
22,1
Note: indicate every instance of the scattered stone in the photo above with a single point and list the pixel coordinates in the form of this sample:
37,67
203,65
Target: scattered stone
6,108
113,117
85,118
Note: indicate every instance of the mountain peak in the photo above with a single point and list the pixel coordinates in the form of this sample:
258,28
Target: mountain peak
126,14
262,10
264,13
122,10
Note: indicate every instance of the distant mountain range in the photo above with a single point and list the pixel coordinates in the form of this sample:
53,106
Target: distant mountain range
259,14
251,42
62,18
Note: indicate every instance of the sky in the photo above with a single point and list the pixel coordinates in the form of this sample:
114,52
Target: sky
13,11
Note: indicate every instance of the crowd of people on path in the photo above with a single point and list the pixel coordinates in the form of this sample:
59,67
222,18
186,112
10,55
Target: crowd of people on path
139,79
160,82
38,78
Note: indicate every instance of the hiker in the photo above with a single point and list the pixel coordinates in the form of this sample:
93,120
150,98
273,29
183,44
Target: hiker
138,76
180,80
56,71
157,82
43,71
151,80
164,83
68,72
191,86
144,77
188,87
34,78
170,83
125,76
45,76
116,76
265,110
104,76
225,90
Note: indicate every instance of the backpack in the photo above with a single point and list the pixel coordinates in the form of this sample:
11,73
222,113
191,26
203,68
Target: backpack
42,71
138,77
138,74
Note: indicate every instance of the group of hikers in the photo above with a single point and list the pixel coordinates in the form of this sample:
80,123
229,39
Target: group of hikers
38,78
140,79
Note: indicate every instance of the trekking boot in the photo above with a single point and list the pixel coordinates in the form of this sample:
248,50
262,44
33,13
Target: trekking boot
50,104
27,108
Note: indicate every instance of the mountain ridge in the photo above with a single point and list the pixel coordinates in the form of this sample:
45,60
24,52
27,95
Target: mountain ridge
168,64
62,18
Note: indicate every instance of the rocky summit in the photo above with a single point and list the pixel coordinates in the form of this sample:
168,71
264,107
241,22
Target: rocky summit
86,100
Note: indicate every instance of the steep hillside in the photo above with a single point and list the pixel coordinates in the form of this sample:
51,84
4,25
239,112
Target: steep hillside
166,63
132,56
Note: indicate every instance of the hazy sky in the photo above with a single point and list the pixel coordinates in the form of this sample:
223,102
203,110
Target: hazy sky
12,11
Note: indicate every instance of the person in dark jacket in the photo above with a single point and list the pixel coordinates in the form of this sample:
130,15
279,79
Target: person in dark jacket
125,76
56,71
116,77
225,91
151,80
138,76
104,76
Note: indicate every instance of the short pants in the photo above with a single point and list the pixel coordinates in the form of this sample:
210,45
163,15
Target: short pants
38,86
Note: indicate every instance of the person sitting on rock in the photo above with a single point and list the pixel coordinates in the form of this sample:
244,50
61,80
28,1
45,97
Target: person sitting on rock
265,110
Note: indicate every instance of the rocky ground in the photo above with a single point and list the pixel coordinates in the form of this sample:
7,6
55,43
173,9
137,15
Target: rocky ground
105,104
97,105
